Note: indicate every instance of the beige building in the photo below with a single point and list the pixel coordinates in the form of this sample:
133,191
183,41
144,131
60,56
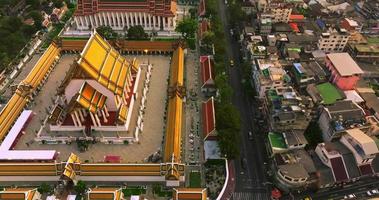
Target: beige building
333,40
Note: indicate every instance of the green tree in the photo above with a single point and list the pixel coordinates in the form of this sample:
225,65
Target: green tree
107,32
187,27
45,188
136,33
193,12
34,4
228,143
80,188
58,3
313,134
208,38
37,17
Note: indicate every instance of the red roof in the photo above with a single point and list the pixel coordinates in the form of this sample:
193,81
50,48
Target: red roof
209,118
203,27
207,75
201,8
296,17
338,168
294,27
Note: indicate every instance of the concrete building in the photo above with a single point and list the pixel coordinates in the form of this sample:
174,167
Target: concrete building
345,72
337,118
150,14
333,40
351,25
363,147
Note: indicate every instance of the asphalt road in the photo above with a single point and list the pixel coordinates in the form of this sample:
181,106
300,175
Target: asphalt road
250,182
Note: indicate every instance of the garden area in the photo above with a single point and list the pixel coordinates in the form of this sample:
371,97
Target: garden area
134,190
161,192
195,179
215,177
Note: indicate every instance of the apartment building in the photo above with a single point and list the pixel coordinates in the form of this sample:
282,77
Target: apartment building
333,40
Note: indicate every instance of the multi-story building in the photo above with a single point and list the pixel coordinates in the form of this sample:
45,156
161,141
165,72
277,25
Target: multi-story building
369,9
337,118
364,52
333,40
150,14
351,25
363,147
265,24
278,10
345,72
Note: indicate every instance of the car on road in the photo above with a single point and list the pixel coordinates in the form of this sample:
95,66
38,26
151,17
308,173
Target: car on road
243,163
350,196
250,134
369,193
372,192
231,63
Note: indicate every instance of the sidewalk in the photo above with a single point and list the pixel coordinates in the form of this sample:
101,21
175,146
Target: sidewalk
231,182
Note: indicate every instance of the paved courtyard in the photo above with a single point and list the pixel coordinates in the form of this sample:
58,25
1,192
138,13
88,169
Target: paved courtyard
150,139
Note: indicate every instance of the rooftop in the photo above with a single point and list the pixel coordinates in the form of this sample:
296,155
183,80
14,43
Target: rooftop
344,64
366,142
277,140
329,93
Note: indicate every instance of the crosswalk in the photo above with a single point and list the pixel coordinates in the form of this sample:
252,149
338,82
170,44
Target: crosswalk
249,196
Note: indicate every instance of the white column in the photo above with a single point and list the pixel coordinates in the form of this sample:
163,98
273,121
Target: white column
87,21
140,18
76,21
131,17
97,20
136,19
122,19
91,20
81,115
81,21
144,20
109,19
159,22
164,23
104,19
106,110
77,118
97,119
74,120
118,20
127,19
174,22
149,18
154,25
113,19
93,119
104,116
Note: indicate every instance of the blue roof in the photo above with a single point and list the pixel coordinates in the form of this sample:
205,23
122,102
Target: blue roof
320,23
299,68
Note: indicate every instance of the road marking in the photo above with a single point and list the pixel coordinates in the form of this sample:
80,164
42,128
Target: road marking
249,196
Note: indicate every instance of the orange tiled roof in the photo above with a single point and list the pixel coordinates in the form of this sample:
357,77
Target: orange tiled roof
90,98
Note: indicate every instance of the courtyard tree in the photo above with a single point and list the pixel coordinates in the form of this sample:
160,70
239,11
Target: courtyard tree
187,27
45,188
208,38
106,32
80,188
37,18
313,134
228,143
136,33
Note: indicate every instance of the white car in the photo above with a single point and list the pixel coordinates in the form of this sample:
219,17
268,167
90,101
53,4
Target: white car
369,193
375,191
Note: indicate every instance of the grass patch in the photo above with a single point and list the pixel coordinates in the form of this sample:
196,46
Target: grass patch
195,179
158,190
134,190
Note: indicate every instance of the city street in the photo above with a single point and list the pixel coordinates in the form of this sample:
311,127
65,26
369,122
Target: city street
251,181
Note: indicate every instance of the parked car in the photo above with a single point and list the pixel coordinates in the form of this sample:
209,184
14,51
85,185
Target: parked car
350,196
231,63
250,134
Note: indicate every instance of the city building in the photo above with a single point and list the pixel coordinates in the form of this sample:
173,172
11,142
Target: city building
265,24
286,110
345,72
151,15
209,120
368,53
333,40
368,9
336,118
363,147
325,93
351,25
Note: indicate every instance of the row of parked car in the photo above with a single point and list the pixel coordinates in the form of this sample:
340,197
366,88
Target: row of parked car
374,192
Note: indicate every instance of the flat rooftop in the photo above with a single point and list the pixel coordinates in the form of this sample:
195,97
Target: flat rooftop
344,64
329,93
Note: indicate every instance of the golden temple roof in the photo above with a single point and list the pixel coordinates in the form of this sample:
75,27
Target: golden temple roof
90,98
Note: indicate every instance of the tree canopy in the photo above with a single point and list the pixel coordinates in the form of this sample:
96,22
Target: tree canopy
45,188
136,33
80,187
187,27
106,32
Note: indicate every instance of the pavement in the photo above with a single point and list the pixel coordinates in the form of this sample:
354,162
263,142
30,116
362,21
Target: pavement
250,182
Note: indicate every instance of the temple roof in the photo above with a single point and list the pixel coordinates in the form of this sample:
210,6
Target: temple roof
90,98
